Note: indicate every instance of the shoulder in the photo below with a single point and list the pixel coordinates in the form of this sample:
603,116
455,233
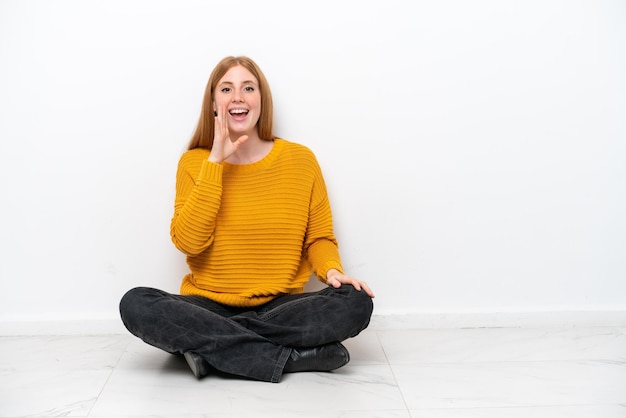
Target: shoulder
296,150
300,160
193,157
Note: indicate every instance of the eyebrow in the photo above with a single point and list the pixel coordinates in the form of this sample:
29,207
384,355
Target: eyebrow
245,82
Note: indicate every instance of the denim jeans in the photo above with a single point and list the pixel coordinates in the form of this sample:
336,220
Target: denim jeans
248,342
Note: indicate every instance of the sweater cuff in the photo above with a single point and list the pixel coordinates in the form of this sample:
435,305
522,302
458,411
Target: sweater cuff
211,172
321,273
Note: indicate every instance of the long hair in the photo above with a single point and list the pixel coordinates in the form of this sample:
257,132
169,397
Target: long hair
205,131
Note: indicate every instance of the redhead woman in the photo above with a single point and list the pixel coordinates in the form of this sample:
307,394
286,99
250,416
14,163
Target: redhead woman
253,219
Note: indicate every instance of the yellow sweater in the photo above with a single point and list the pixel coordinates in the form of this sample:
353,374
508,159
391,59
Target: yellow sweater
255,231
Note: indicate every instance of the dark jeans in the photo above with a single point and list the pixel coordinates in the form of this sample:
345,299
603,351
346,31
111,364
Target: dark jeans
249,342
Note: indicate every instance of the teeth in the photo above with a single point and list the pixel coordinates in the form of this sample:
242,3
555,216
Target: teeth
238,111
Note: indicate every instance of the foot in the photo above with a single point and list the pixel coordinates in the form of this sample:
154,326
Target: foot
197,364
323,358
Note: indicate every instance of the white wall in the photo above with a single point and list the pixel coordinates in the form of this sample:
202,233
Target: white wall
474,151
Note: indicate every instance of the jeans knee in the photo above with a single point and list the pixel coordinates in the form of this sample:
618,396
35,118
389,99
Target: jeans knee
361,305
366,306
131,304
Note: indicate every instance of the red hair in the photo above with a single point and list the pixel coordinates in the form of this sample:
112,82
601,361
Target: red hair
205,131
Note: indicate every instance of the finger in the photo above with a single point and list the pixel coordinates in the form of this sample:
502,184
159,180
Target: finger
221,118
356,284
368,290
241,140
218,123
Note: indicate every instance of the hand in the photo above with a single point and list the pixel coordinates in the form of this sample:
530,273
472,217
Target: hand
335,278
223,146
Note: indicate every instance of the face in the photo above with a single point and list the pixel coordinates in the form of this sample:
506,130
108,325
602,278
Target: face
237,95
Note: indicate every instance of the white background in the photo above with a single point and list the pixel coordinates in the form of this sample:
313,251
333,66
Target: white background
474,151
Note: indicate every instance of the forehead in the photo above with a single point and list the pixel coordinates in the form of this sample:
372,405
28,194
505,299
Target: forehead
237,75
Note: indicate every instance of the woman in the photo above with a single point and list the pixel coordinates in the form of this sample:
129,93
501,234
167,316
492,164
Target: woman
252,216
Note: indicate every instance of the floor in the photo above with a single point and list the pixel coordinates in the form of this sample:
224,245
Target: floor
485,372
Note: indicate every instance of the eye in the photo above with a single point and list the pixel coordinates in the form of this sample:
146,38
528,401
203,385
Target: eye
225,90
249,89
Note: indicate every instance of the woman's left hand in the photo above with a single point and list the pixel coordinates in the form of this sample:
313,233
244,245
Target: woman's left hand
335,278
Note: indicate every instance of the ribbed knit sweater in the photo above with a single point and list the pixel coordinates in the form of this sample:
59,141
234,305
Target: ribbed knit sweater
255,231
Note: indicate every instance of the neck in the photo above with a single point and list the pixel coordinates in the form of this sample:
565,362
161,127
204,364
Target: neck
251,151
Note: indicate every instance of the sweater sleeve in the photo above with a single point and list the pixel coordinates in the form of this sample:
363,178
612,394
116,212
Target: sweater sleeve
198,198
320,244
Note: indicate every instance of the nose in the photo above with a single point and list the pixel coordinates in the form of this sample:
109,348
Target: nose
237,97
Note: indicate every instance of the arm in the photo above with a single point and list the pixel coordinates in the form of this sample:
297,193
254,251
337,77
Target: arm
198,198
321,244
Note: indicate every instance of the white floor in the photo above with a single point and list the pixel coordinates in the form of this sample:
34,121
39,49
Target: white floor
488,372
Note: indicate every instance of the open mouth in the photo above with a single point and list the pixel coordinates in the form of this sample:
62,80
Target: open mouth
238,112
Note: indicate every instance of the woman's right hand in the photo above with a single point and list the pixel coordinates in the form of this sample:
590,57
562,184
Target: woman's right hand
223,146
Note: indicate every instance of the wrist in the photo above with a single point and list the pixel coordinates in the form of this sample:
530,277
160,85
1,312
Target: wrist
332,274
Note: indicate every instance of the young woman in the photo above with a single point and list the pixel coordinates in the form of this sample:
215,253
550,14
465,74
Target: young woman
253,218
